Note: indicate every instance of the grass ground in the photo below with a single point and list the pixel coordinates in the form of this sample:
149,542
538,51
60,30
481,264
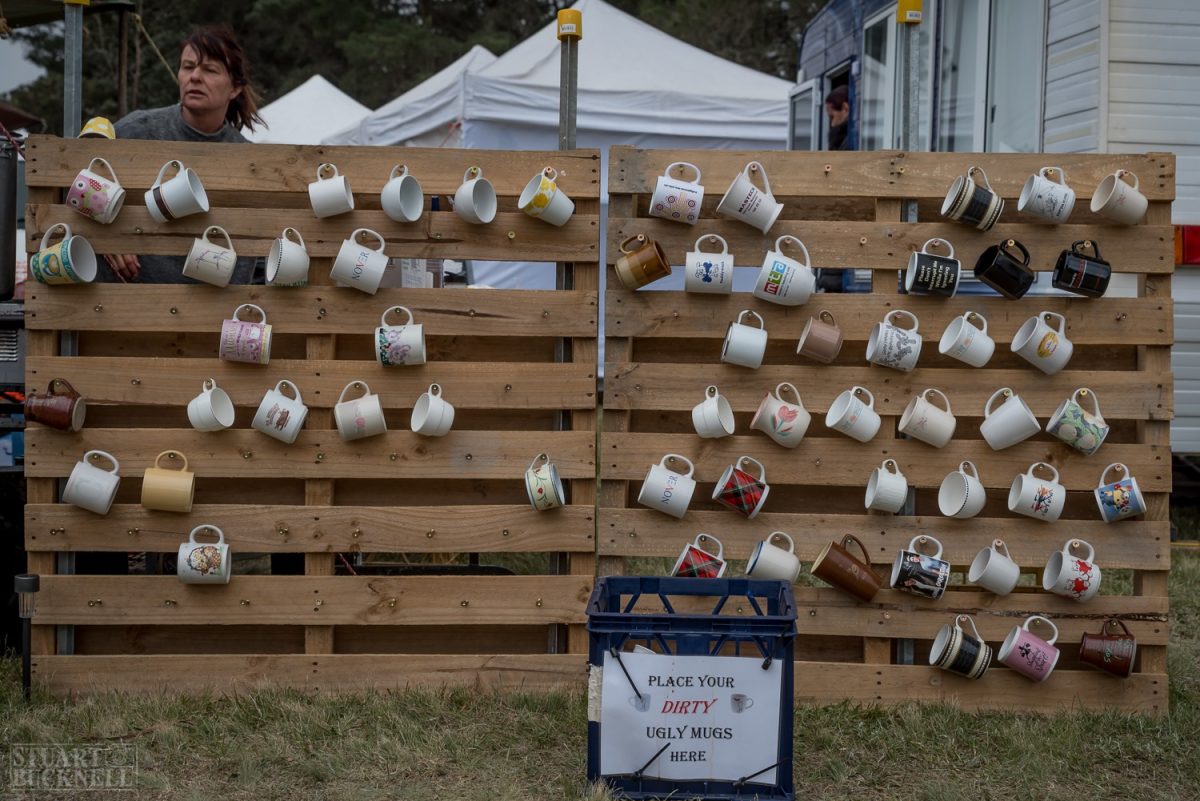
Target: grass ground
466,745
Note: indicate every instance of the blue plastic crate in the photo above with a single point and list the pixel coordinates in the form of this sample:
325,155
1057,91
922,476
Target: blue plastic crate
769,633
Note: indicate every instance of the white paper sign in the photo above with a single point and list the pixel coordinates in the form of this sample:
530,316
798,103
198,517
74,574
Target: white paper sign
718,717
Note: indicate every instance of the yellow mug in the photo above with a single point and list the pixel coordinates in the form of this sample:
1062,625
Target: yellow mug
168,490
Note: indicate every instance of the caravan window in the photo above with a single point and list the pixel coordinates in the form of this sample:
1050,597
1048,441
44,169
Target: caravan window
878,94
802,131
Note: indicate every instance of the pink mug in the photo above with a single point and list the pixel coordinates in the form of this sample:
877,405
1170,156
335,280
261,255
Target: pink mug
1027,653
243,341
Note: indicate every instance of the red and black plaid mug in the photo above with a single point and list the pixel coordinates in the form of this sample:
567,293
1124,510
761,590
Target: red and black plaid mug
741,491
696,562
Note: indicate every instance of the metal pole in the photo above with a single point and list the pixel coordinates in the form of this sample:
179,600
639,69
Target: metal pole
8,219
73,66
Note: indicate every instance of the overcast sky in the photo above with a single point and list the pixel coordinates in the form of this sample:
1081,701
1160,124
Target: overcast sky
14,69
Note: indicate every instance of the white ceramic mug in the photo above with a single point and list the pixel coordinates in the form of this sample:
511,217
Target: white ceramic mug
745,202
475,200
401,198
359,417
399,344
278,415
667,490
769,561
708,272
784,422
1119,200
212,409
887,488
713,416
1072,576
784,280
542,484
179,196
91,488
994,569
745,345
676,199
543,200
852,416
1042,345
204,563
1049,199
432,416
330,194
209,262
1036,497
923,420
245,341
893,346
1083,430
966,341
961,493
287,262
359,266
1012,422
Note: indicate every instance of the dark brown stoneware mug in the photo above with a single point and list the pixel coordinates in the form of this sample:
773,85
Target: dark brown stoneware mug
61,407
837,566
1112,650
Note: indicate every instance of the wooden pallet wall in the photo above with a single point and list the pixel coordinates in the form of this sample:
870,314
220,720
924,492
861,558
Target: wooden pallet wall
663,348
143,351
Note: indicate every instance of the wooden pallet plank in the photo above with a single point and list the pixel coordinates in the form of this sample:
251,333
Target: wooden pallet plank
885,173
680,315
312,310
475,385
315,600
492,528
458,455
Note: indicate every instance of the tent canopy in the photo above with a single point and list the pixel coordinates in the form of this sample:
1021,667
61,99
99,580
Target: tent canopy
307,114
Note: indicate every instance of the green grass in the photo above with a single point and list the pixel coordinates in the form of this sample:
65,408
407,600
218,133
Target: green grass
487,746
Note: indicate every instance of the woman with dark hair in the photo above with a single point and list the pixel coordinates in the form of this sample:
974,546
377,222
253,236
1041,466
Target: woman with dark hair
216,100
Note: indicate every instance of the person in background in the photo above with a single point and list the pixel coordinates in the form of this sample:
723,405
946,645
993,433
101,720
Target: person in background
216,101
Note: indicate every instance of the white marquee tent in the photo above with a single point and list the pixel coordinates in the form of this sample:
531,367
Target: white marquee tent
293,118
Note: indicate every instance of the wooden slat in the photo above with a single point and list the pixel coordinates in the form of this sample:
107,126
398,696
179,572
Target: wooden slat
468,385
511,236
315,600
458,455
679,387
312,310
826,459
886,246
885,173
282,169
317,529
645,532
679,315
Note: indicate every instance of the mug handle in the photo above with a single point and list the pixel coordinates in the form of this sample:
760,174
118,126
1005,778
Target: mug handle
390,309
206,527
111,172
895,467
435,390
711,391
1062,321
962,468
755,166
626,241
366,389
762,471
284,235
789,238
695,169
87,457
712,238
720,548
542,457
945,399
987,407
1085,392
321,169
887,318
163,171
550,173
986,182
870,398
1104,475
792,387
1072,544
472,172
183,469
57,384
691,467
786,536
1062,174
403,168
258,309
1012,243
970,620
1035,466
755,315
1109,624
825,313
923,539
378,237
935,241
1053,638
861,547
1122,173
224,233
208,385
50,232
969,315
295,389
998,544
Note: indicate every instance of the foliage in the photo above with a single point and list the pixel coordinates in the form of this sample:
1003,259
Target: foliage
371,49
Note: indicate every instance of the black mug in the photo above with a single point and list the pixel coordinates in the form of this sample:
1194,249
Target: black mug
958,652
999,268
1083,275
931,274
921,574
972,200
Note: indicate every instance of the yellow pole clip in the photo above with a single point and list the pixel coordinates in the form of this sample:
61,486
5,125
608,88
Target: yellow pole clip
77,2
908,12
570,24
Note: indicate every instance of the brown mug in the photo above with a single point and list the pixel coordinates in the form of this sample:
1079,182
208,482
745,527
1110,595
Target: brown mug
1112,653
61,407
821,339
839,567
642,264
